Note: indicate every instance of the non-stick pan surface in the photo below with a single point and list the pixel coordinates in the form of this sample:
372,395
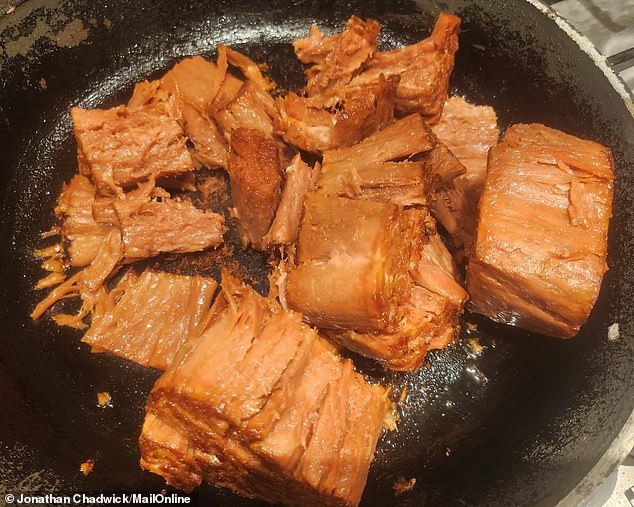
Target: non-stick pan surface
521,424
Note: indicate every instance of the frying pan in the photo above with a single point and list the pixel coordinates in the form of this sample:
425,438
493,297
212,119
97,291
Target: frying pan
529,421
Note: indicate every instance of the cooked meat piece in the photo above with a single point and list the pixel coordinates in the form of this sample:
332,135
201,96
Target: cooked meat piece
251,405
452,207
84,235
430,315
147,317
424,69
371,243
468,131
540,250
337,58
252,108
166,451
366,170
248,67
120,147
169,226
317,124
254,171
299,179
194,82
87,283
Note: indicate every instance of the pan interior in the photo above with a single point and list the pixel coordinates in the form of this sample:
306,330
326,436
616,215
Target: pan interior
520,423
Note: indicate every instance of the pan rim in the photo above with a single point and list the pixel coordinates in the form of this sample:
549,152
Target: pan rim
623,443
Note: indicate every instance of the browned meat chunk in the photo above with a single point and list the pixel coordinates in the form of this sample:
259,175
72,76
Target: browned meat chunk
367,171
260,404
299,179
468,131
147,317
84,235
120,147
194,82
338,58
540,250
424,69
430,314
317,124
343,240
254,170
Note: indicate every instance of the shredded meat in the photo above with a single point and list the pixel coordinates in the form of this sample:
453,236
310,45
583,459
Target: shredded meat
336,59
317,124
254,170
147,317
299,179
252,108
260,404
424,69
368,169
540,251
119,147
468,132
84,235
371,243
194,84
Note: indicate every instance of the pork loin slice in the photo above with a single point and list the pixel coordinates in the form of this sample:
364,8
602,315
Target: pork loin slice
424,69
254,171
540,250
119,147
337,58
299,179
195,82
467,131
368,169
430,315
84,235
250,404
320,123
341,240
146,318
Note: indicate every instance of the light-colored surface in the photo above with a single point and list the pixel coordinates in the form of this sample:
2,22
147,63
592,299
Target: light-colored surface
609,24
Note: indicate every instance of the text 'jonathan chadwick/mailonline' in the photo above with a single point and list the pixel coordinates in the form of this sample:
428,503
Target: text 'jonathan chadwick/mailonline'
162,498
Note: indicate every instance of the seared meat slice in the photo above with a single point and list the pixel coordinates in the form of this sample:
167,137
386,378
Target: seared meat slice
540,250
147,317
254,170
317,124
468,132
252,108
119,147
343,240
195,82
424,69
251,405
84,235
367,171
430,315
299,179
337,58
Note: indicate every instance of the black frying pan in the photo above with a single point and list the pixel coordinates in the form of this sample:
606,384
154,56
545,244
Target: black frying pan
522,424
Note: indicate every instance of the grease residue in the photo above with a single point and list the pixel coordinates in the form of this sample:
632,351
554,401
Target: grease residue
71,35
